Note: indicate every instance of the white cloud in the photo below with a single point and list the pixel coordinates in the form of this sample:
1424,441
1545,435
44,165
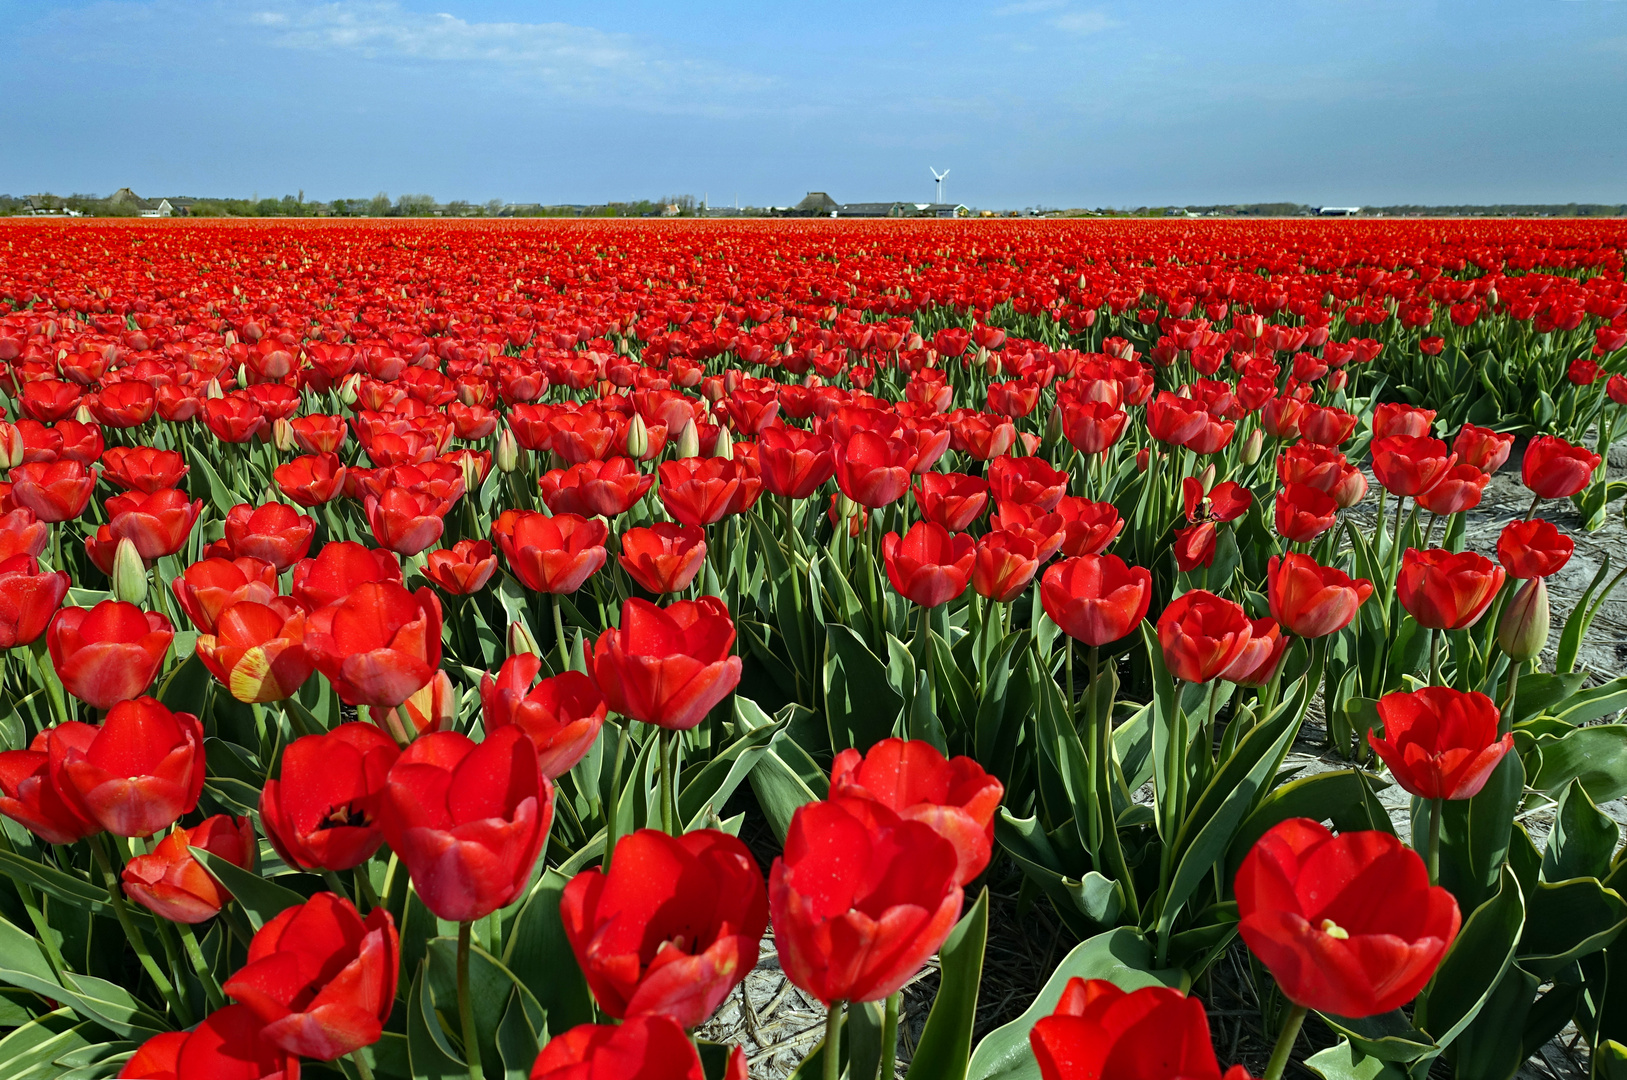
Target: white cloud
1084,22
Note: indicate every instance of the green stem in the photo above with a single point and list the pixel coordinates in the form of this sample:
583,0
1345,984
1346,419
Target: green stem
1536,500
115,896
889,1036
466,1005
1067,679
335,886
1506,723
363,1070
1434,658
1434,857
668,810
1285,1043
200,965
610,817
834,1014
1209,721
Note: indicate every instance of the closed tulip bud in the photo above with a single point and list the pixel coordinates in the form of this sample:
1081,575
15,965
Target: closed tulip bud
725,444
520,640
1491,297
689,441
83,415
638,437
129,573
507,458
1252,447
213,390
349,388
1053,424
1523,630
282,434
1207,478
11,446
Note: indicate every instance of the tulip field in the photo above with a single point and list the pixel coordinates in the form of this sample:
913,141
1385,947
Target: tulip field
471,649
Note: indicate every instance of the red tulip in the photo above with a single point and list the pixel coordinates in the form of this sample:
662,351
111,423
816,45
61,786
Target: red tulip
874,470
857,910
468,819
1552,468
311,480
928,566
319,434
1173,420
21,533
321,978
1003,566
143,468
226,1046
1096,599
1092,426
1202,635
405,521
124,404
700,491
173,885
562,714
1088,527
1527,549
28,599
644,1048
1483,448
378,645
323,813
1310,600
551,554
1304,513
257,651
275,533
157,523
953,500
339,569
1406,465
464,570
672,928
1195,546
1397,418
1440,743
208,587
1326,425
1459,490
665,557
984,436
795,463
235,418
29,797
1445,590
49,400
595,488
1281,416
1099,1032
108,653
955,797
136,773
1347,925
58,491
1027,480
667,666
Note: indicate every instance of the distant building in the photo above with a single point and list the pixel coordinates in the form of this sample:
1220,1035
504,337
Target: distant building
1338,211
941,210
818,204
161,208
871,209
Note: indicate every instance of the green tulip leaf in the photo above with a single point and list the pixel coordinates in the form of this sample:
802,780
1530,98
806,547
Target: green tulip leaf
946,1042
1474,964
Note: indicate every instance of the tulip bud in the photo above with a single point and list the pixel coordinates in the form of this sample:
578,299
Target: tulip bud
638,438
792,322
230,337
84,415
1252,446
471,472
725,444
129,573
1207,478
213,390
1523,630
349,388
11,446
1053,424
521,641
689,441
282,434
1491,297
508,451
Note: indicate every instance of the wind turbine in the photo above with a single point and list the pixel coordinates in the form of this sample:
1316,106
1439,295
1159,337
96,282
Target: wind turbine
938,176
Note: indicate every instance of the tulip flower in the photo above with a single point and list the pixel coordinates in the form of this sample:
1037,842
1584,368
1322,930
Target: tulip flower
667,666
1347,925
1326,425
952,500
320,977
57,491
1027,480
1398,418
1174,420
562,715
1262,657
210,586
1483,448
136,773
378,645
874,470
551,554
1458,490
468,819
143,468
1552,468
795,463
1304,513
595,488
1408,465
1003,566
1310,600
1045,531
464,570
311,480
701,491
1202,635
1522,631
1096,599
928,566
1444,590
173,885
337,571
916,783
323,813
1092,427
21,533
858,910
227,1045
28,599
1533,549
645,1047
257,651
234,419
1088,527
1195,546
672,928
404,521
109,653
157,523
665,557
275,533
1440,743
29,797
1099,1032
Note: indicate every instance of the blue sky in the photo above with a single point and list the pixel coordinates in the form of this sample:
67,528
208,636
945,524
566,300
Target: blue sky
1028,102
